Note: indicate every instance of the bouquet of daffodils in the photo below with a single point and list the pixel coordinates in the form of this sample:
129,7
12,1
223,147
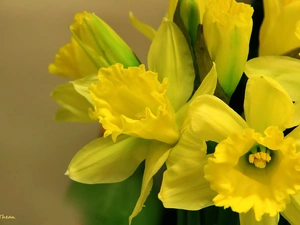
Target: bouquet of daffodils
221,129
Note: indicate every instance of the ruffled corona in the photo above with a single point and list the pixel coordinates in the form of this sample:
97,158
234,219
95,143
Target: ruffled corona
132,101
263,186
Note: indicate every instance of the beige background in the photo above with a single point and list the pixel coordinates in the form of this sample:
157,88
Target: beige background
35,150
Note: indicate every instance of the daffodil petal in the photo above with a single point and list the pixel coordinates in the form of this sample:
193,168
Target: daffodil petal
292,211
145,29
277,35
171,9
285,70
170,57
248,218
74,107
298,30
209,83
184,185
295,134
156,157
267,104
104,161
213,120
207,86
296,117
82,86
189,146
66,62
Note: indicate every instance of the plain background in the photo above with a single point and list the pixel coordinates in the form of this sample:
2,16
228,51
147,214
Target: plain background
35,150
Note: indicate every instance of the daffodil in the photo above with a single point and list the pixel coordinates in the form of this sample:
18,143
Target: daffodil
255,168
227,27
93,45
144,114
278,30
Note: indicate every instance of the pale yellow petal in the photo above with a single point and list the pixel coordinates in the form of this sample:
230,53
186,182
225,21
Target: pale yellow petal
171,58
104,161
184,185
171,9
207,86
82,86
74,107
72,61
145,29
298,30
248,218
277,35
295,134
209,83
296,116
156,157
267,104
292,211
213,120
285,70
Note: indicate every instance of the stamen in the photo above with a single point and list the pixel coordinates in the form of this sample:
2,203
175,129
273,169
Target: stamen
260,159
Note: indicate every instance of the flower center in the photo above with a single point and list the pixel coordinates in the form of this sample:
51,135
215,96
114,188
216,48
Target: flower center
259,156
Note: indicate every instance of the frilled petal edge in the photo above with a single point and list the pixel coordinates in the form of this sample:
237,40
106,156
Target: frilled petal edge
248,218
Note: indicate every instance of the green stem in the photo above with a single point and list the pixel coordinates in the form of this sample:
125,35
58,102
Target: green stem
193,218
181,217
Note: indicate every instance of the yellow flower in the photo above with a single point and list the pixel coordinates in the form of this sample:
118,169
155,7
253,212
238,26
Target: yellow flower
93,45
254,169
145,112
148,109
277,33
227,27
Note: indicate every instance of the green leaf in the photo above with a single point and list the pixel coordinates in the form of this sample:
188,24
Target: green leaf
111,204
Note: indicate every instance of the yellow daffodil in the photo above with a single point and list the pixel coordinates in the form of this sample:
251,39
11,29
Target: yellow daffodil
254,169
145,113
278,30
93,45
227,27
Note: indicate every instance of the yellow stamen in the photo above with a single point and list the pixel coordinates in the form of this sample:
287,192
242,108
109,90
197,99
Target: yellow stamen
259,159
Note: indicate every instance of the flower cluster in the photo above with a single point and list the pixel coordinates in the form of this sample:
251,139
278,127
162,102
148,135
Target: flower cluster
168,113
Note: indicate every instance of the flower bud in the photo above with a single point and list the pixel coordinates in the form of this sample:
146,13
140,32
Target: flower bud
227,27
93,45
